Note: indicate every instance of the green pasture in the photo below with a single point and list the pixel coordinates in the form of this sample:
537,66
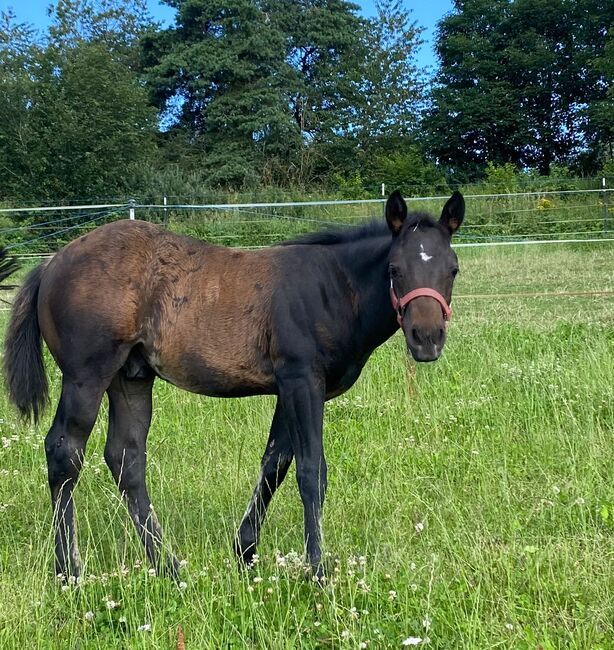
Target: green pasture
470,501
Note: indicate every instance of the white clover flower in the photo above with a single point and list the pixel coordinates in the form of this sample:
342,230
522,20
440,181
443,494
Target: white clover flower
122,619
412,640
509,626
146,627
392,594
426,623
362,645
419,526
183,564
151,572
362,585
257,579
345,634
89,616
111,604
183,585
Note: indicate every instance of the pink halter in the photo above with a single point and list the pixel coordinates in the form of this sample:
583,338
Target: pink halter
399,304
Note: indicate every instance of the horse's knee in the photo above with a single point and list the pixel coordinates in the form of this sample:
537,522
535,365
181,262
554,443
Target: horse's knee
64,456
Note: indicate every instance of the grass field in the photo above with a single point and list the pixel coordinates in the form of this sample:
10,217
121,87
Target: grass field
470,502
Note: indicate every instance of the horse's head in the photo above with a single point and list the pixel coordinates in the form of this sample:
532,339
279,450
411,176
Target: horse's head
422,268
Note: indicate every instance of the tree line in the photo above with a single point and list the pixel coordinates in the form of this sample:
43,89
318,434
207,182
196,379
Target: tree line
303,94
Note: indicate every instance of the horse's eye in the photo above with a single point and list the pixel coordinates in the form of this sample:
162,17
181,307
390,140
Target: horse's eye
454,272
394,271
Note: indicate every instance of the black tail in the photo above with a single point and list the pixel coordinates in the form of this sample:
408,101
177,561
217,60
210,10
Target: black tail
24,368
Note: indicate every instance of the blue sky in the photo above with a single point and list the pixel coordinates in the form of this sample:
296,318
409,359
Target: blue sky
425,12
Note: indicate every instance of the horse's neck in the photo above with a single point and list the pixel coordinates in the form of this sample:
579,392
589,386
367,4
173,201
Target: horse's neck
366,266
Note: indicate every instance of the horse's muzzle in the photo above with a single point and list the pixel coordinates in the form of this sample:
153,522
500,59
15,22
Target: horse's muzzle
425,344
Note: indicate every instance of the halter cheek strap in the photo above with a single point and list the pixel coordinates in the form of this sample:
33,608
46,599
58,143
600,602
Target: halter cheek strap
399,304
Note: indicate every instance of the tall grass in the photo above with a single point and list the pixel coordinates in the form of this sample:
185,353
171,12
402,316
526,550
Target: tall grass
470,503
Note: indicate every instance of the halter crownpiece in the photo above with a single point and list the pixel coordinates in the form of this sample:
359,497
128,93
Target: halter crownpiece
399,304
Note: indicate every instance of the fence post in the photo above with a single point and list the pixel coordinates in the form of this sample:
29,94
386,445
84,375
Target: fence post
605,205
165,210
383,189
132,204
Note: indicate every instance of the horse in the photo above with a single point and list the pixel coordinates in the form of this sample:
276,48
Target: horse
131,301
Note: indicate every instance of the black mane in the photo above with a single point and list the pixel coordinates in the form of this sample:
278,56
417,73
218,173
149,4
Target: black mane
349,234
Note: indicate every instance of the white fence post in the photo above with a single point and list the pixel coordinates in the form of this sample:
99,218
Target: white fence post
132,203
605,205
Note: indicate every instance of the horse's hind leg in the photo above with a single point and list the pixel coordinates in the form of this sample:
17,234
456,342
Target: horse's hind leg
125,454
65,446
276,461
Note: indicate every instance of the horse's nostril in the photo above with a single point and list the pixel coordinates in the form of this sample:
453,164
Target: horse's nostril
415,335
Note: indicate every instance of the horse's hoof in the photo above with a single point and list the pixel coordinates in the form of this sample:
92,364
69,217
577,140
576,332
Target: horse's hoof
318,573
169,568
68,574
245,553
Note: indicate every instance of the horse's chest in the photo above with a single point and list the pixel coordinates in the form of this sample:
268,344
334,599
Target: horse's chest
338,382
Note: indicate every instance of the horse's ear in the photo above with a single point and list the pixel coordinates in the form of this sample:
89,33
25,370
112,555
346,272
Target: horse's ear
453,213
396,211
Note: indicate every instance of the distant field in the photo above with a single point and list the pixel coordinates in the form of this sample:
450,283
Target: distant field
470,502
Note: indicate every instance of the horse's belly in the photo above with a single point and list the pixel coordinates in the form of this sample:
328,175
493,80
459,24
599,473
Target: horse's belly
231,376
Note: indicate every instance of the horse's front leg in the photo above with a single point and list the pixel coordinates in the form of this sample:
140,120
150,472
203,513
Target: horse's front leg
301,399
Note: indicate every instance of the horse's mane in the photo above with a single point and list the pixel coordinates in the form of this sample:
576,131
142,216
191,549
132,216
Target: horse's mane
349,234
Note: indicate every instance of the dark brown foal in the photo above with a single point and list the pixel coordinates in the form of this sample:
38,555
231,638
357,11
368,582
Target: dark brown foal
130,302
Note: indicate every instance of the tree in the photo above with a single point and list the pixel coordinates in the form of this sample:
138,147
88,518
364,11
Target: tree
94,125
514,82
323,51
601,112
218,74
17,138
388,81
78,124
256,83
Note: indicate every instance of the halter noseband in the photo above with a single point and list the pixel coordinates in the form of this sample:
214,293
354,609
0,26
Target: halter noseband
399,304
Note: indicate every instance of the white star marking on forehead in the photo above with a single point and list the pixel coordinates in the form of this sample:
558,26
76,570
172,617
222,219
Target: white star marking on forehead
423,255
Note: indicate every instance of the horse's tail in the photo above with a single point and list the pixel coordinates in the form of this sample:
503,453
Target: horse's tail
24,368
